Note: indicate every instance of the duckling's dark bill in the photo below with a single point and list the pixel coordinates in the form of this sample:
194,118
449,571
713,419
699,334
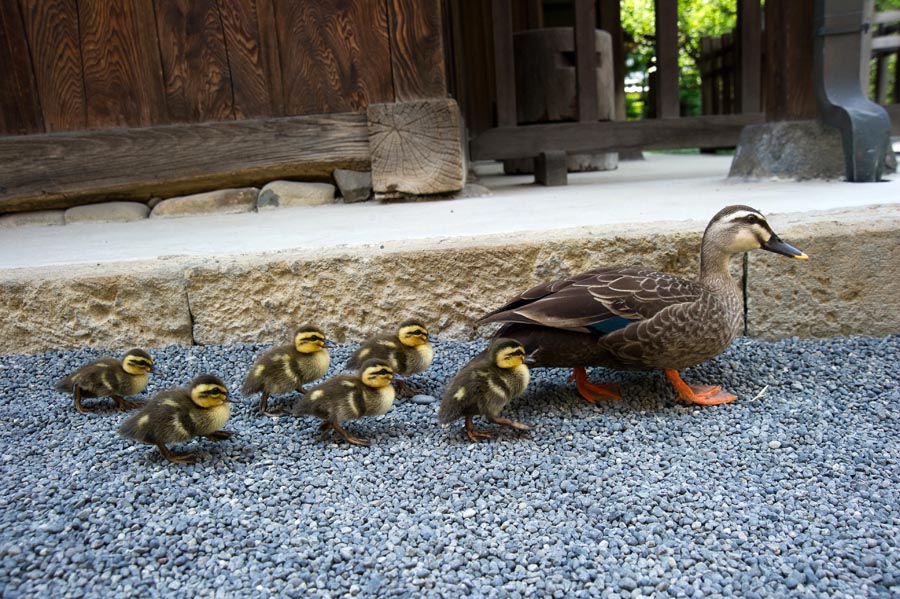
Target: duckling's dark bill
776,245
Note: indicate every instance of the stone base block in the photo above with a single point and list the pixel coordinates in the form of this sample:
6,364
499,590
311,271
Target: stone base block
790,150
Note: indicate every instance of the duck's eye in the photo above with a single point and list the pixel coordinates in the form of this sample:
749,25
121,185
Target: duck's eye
752,219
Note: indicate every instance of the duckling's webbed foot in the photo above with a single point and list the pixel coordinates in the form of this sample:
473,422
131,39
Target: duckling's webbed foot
264,405
76,397
593,392
126,404
511,423
475,435
350,438
704,395
176,458
404,389
219,435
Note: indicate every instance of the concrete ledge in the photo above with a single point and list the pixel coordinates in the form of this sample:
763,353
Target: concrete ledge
850,286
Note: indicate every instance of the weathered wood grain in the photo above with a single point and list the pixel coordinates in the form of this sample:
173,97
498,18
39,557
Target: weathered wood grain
20,110
334,55
67,169
417,50
115,66
194,61
270,54
242,44
609,136
788,89
416,148
52,30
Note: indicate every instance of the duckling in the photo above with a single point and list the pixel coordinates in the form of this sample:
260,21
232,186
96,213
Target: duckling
408,351
348,397
636,318
288,367
180,414
485,385
109,377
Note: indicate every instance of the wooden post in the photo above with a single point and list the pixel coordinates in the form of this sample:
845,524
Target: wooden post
668,103
585,60
550,168
504,65
749,48
611,22
416,148
789,92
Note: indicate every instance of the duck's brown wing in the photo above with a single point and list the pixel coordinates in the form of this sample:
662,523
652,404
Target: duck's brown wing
598,301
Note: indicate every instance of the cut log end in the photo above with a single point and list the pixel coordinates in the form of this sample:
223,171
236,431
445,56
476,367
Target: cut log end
416,148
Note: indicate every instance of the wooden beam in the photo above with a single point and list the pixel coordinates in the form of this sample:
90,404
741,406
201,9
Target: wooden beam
504,63
668,101
67,169
611,22
749,45
586,60
611,136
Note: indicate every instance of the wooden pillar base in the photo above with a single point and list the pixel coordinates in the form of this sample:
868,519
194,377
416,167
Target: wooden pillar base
550,169
416,148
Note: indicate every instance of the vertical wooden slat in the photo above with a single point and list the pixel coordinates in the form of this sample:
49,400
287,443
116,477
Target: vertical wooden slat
611,22
116,74
586,60
706,83
20,110
749,48
667,94
788,88
728,73
148,42
335,55
504,63
247,73
52,30
270,54
716,48
195,64
417,51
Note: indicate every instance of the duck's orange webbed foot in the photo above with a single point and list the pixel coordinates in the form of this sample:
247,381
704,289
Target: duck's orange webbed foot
593,392
703,395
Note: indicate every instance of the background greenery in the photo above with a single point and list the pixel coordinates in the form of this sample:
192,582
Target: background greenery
696,19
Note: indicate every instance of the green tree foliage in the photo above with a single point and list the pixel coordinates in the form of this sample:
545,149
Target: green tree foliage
696,19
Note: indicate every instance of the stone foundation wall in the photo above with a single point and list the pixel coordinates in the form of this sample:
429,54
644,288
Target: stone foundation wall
850,285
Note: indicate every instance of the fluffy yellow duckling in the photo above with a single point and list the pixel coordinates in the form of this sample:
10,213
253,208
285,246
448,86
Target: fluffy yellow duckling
109,377
180,414
348,397
288,367
408,350
485,385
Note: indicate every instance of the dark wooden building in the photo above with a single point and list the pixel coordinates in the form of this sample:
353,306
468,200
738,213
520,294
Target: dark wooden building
135,98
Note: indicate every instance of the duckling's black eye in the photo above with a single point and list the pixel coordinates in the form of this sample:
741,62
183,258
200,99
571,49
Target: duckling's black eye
751,219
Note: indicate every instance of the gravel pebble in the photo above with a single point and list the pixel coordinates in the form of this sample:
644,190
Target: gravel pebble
632,498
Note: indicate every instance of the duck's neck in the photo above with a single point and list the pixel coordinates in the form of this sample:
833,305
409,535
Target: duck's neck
714,268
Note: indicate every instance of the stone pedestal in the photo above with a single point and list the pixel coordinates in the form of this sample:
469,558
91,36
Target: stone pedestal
790,150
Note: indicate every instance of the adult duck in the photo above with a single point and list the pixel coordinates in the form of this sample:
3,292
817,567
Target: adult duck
636,318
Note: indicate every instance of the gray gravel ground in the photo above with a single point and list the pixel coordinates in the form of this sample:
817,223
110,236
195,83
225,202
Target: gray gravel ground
794,491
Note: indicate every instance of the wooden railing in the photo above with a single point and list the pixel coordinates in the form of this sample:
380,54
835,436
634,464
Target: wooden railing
508,139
